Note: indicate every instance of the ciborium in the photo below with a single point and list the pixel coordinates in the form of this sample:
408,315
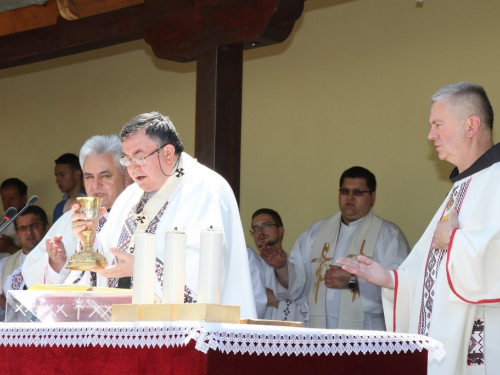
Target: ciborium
87,258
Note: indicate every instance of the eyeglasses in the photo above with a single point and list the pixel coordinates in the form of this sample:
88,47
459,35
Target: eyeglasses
355,192
264,227
139,160
32,226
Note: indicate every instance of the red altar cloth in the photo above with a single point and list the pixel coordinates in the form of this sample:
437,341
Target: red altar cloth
201,348
188,360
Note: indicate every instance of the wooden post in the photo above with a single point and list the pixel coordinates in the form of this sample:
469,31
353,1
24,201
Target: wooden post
219,77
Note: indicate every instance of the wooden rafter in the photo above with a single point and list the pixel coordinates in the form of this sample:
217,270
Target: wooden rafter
76,9
28,18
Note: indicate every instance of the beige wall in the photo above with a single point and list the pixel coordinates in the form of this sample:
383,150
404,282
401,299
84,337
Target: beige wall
351,86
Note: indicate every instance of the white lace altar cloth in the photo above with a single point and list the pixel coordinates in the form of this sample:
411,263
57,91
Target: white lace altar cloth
228,338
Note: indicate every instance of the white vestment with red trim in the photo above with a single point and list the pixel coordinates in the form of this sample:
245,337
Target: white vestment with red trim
453,295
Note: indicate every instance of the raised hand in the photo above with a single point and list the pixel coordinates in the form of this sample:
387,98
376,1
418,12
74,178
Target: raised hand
57,253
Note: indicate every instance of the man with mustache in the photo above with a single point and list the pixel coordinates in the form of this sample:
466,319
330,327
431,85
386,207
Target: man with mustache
104,177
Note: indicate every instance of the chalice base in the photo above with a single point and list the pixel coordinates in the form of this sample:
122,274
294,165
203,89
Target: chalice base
85,260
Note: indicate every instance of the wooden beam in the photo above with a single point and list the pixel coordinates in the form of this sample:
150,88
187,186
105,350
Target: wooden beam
28,18
189,26
76,9
176,29
219,75
70,37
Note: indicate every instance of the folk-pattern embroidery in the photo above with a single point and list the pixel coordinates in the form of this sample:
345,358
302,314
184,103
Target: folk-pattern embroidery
475,356
434,260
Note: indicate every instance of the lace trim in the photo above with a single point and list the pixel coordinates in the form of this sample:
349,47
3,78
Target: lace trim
228,338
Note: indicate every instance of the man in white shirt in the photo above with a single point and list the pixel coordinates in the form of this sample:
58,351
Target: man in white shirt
325,295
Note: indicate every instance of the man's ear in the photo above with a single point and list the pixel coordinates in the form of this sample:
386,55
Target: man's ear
169,152
281,231
473,124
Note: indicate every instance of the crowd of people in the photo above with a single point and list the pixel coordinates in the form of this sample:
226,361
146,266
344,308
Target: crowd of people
353,270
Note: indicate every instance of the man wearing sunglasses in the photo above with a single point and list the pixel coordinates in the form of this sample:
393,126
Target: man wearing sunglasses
326,296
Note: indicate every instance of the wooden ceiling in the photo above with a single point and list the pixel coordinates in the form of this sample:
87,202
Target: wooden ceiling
176,29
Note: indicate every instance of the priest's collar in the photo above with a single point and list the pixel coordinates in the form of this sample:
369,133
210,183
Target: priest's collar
353,224
486,160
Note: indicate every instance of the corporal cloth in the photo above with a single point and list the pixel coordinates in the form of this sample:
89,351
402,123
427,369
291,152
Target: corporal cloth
199,200
453,294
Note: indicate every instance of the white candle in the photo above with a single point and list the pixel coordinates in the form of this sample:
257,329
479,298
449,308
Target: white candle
144,268
210,266
174,267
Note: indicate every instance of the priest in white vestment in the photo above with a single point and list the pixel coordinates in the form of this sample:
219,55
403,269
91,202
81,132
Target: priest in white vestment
172,190
324,295
103,177
449,287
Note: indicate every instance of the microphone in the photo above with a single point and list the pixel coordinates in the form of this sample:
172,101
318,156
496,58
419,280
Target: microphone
9,214
31,202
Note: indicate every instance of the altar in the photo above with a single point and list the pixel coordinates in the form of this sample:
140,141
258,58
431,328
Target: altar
194,347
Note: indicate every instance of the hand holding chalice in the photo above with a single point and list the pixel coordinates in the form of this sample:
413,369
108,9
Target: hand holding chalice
87,258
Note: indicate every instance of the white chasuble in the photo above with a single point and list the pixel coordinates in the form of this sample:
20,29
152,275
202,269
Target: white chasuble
453,294
350,314
196,199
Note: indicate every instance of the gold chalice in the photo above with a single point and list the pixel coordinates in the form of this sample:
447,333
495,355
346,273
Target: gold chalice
87,258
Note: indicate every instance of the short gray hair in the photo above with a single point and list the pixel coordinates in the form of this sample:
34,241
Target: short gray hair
157,127
466,99
103,144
